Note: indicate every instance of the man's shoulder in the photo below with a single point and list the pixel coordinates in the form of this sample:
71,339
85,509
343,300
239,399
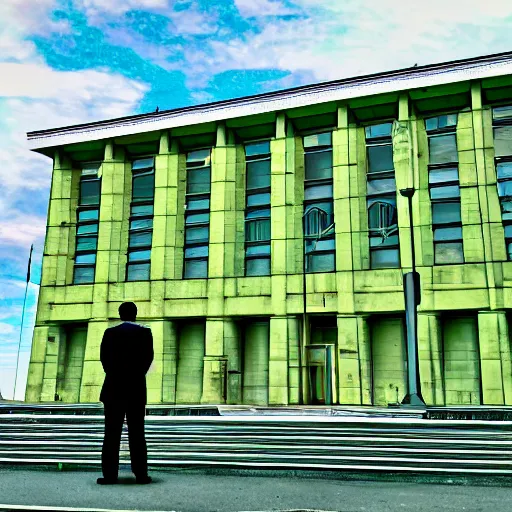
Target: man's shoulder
130,325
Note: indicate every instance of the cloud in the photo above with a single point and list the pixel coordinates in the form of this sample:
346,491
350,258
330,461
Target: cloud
94,8
254,8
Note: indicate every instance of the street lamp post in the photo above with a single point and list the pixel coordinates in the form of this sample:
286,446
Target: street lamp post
412,294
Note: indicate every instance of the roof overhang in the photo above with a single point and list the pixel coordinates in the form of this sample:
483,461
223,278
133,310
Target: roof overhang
338,91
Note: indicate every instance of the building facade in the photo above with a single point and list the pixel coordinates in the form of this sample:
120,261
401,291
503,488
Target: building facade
264,241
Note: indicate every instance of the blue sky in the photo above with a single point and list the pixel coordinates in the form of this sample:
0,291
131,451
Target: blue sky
65,62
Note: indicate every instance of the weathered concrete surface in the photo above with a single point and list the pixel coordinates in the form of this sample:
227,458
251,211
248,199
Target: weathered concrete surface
199,491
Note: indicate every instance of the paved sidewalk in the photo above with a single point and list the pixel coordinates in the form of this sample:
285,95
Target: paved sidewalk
200,491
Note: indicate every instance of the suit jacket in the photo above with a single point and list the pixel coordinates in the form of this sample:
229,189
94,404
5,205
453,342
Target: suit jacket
126,354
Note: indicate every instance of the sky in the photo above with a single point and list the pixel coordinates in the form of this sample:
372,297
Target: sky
64,62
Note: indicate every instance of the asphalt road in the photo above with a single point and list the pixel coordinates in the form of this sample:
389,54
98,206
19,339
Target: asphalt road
200,491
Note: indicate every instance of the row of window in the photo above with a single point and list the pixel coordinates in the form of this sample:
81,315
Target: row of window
318,212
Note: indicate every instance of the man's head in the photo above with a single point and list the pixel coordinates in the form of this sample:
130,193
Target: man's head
128,311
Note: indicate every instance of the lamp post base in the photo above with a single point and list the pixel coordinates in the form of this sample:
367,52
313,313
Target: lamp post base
413,400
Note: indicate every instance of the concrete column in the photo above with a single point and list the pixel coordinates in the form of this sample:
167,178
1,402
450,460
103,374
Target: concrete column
220,263
281,210
233,352
495,363
256,364
169,361
347,185
349,371
430,354
163,250
93,374
114,213
61,223
154,377
278,361
294,327
190,363
36,367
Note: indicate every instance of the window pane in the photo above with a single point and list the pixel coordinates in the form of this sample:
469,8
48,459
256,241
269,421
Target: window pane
318,192
197,218
140,239
87,229
384,258
502,112
318,165
200,157
318,139
85,215
90,169
380,158
143,163
139,255
258,214
198,181
83,275
503,141
509,251
198,204
257,148
383,186
258,174
450,192
200,251
449,253
258,250
316,221
379,241
85,259
196,268
379,130
435,123
138,272
142,210
258,199
504,170
257,267
441,234
443,149
86,243
443,213
326,206
90,192
257,230
196,234
506,210
143,187
325,245
508,231
323,262
443,175
382,214
141,224
505,188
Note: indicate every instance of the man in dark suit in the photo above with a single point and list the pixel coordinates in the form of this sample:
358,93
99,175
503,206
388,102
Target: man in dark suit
126,354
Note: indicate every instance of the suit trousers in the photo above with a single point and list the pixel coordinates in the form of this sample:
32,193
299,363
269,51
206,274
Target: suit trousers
114,418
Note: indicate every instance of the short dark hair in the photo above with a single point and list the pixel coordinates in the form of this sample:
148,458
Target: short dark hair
128,311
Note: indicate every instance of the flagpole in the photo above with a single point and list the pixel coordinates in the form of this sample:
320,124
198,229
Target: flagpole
22,318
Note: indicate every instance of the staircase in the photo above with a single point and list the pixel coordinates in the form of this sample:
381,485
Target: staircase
394,442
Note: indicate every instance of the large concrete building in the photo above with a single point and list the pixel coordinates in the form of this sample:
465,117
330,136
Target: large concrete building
208,216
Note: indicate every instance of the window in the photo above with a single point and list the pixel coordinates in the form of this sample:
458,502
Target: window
197,214
257,211
141,220
502,126
87,224
444,189
318,203
381,197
